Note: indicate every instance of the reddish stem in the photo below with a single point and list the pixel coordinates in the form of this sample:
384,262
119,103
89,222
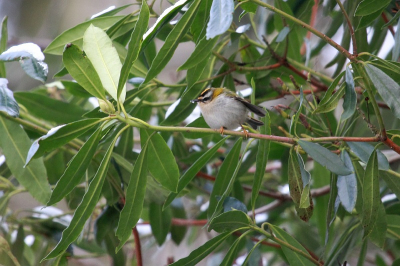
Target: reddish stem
138,247
390,27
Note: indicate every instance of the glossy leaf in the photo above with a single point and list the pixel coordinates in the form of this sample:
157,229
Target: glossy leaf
347,185
387,88
200,253
82,70
104,57
49,109
59,136
171,43
224,176
378,234
229,221
193,170
221,15
161,161
134,45
294,258
85,208
14,144
135,193
350,96
75,169
367,7
325,157
364,150
75,34
7,101
261,159
160,221
371,197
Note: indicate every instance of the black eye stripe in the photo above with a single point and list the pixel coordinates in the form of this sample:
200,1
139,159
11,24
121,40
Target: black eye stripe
206,99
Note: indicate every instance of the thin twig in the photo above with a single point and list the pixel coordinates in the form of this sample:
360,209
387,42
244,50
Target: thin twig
353,37
386,20
138,246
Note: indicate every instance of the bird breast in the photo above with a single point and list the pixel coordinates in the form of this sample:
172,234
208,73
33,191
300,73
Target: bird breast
224,112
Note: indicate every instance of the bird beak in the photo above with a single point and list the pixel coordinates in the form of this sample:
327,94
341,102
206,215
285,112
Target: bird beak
194,101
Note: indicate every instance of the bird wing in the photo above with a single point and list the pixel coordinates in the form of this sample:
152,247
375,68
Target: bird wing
253,108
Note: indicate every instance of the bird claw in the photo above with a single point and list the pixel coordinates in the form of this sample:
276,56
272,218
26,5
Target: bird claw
246,133
221,130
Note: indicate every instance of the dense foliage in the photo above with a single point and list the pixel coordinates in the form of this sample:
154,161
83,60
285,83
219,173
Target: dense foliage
314,186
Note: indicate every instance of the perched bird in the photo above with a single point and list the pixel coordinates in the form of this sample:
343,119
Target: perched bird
223,109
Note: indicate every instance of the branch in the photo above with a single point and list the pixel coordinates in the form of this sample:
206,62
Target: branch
353,37
138,247
386,20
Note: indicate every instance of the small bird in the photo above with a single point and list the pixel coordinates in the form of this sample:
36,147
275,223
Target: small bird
223,109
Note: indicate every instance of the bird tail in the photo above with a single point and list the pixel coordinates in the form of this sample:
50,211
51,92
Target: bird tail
254,123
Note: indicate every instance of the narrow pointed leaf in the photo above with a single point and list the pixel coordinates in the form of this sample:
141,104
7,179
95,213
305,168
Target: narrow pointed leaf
59,136
75,34
378,234
371,197
294,175
85,208
171,43
295,118
347,185
350,97
325,157
7,101
200,253
229,221
367,7
224,176
83,71
160,221
3,45
134,45
75,169
221,15
161,161
104,57
387,88
135,192
193,170
261,159
232,253
201,52
396,48
14,144
294,258
392,181
331,98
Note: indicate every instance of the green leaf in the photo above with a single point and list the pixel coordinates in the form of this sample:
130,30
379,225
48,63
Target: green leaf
160,221
366,21
221,15
200,253
75,169
7,101
392,181
331,98
367,7
35,69
393,225
199,122
364,150
347,185
135,193
59,136
325,157
295,118
350,96
232,253
75,89
249,7
378,234
3,45
134,45
261,159
49,109
294,258
201,52
387,88
282,34
295,181
224,176
104,57
82,70
75,34
171,43
193,170
15,143
85,208
396,48
371,197
161,161
229,221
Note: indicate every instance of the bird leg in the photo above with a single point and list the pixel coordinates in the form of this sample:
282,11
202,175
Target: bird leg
246,133
221,130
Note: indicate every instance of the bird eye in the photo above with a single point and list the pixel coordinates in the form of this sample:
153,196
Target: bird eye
205,99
